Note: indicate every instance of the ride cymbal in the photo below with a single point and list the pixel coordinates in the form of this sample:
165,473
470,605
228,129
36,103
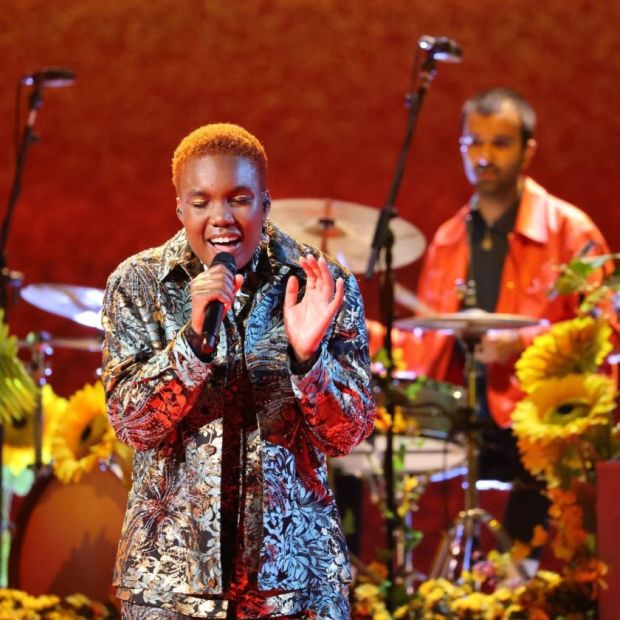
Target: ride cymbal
344,230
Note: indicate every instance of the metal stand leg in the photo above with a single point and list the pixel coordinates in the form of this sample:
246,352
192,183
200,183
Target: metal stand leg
459,543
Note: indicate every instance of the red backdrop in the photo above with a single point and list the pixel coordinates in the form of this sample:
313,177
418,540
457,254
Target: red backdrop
321,82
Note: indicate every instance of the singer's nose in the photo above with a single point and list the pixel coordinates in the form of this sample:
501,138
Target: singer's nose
221,213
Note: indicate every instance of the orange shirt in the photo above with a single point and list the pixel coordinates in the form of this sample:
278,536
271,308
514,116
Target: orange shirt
547,233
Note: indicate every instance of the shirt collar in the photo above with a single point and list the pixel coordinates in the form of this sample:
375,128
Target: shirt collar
531,219
276,247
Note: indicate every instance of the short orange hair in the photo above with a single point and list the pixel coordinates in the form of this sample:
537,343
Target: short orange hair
219,139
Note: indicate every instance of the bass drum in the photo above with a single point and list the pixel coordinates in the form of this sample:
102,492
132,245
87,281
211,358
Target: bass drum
66,536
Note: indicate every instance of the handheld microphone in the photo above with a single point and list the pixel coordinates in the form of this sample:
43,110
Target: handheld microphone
441,48
53,77
215,310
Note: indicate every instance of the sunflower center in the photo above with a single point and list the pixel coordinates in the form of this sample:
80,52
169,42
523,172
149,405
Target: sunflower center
567,411
91,435
18,423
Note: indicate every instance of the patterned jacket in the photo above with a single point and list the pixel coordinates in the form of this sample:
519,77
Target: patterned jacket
240,433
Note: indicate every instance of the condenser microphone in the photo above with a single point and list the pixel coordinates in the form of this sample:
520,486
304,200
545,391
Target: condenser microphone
52,77
441,48
215,310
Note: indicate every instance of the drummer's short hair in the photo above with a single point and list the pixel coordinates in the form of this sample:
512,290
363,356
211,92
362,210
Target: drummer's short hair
219,139
490,101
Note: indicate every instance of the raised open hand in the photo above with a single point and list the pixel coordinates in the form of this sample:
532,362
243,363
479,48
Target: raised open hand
306,321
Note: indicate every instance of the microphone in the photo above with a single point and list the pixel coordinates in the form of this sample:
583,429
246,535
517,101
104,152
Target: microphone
441,48
53,77
215,310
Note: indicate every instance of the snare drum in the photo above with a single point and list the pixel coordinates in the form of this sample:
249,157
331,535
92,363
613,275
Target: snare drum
429,446
66,536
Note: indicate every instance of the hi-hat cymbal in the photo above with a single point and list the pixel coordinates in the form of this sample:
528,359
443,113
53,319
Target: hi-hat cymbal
81,304
469,323
344,230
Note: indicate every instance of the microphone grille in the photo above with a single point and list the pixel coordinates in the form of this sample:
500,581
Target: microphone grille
226,259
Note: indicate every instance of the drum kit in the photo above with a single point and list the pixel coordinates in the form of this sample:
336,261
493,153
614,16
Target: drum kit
343,230
445,440
67,524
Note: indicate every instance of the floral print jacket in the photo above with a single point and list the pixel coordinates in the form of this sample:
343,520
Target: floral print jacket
237,444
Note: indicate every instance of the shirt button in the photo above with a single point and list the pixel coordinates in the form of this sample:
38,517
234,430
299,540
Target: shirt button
510,284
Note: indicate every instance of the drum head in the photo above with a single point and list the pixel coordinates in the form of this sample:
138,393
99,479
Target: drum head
438,458
66,536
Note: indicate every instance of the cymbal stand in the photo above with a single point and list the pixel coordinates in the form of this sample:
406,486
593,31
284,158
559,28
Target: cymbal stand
460,542
39,343
35,101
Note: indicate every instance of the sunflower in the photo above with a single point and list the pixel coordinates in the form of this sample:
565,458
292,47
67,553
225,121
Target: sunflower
576,346
18,449
18,390
84,437
560,417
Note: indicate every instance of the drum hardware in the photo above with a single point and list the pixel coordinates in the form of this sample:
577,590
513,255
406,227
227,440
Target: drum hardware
426,446
459,542
39,370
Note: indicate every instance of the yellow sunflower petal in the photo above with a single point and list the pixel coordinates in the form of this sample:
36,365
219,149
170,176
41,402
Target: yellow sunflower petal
85,437
569,347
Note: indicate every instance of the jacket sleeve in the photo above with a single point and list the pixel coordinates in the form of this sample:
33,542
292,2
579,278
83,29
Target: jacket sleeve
335,395
150,384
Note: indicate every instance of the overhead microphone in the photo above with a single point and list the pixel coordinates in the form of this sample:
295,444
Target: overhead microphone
215,310
52,77
441,48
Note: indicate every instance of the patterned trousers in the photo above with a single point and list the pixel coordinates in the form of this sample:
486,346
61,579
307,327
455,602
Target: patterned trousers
130,611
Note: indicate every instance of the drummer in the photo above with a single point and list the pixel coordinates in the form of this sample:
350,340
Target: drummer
507,241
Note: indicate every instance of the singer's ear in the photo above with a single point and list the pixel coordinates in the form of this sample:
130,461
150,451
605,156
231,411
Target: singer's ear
179,210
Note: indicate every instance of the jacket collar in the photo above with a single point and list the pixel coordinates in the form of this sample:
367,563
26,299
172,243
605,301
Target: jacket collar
531,219
279,249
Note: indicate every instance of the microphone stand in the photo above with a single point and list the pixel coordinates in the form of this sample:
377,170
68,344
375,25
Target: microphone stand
7,277
383,240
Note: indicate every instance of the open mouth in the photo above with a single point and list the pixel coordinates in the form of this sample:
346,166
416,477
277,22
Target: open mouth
225,243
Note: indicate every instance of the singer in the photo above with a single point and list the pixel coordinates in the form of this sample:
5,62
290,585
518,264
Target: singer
230,514
509,240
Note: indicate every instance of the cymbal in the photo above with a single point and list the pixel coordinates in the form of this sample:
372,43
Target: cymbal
81,304
344,230
470,323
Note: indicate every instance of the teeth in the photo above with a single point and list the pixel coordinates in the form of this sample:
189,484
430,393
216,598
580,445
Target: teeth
224,240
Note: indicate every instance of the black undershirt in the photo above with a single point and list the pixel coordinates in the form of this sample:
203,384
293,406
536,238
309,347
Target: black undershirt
489,248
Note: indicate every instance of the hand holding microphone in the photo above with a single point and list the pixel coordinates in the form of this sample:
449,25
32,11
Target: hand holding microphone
213,292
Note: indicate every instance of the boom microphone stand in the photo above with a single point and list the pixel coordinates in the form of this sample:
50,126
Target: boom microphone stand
441,49
46,77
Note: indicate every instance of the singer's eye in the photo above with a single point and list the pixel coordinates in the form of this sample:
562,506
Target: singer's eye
200,204
241,200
